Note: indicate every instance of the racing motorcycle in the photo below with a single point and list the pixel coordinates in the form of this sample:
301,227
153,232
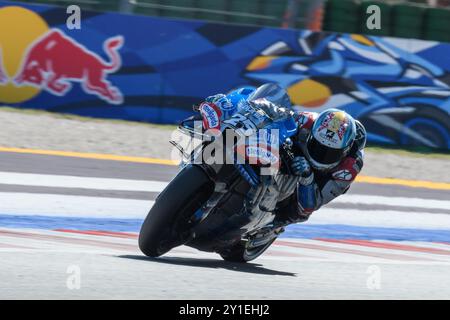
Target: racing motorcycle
227,206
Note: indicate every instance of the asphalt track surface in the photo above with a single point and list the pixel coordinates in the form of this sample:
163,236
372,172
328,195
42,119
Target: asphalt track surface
68,230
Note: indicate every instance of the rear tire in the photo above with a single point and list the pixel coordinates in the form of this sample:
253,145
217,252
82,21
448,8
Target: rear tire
241,252
184,195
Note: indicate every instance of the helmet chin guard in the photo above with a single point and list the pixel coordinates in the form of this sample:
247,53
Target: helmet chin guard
317,165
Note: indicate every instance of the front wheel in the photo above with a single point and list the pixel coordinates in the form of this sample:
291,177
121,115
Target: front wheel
243,252
171,215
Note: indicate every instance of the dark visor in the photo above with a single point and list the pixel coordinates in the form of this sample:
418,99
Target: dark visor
323,154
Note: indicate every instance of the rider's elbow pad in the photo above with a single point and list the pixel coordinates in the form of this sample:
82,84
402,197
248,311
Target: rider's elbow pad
332,189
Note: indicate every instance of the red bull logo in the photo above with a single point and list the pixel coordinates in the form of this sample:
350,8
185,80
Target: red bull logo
53,62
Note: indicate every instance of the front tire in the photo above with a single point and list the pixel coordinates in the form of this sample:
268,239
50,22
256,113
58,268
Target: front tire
173,208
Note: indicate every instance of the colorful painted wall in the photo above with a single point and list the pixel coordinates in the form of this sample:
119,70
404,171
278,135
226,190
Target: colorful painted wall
153,69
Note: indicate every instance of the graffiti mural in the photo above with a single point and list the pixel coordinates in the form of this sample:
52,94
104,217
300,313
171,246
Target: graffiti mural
401,97
153,69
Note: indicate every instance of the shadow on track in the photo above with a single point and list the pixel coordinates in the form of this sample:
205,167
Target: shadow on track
213,264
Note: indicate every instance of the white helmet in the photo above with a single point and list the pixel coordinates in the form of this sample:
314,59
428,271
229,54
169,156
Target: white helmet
331,139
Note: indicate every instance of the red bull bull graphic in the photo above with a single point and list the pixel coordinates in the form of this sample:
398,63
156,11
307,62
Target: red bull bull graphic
41,58
55,60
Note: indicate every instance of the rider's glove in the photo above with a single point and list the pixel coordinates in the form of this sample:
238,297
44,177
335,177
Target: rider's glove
301,167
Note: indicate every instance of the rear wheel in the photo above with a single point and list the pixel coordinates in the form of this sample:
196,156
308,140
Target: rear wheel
244,252
170,218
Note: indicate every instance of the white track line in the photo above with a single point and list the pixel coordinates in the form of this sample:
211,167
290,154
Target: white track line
29,204
393,201
381,218
47,180
15,203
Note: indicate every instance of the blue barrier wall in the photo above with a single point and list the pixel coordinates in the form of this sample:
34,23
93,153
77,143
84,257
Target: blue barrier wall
153,69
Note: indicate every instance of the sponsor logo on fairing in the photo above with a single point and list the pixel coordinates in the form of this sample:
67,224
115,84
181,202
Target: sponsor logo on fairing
260,155
226,105
211,115
260,149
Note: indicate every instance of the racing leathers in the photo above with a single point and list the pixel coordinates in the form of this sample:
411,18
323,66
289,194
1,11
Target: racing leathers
316,187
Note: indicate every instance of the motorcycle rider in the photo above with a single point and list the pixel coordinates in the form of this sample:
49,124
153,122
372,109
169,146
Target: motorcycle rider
329,154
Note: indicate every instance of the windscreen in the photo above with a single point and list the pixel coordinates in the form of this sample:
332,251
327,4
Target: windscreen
273,93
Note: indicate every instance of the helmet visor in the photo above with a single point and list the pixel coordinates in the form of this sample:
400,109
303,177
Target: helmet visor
323,154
